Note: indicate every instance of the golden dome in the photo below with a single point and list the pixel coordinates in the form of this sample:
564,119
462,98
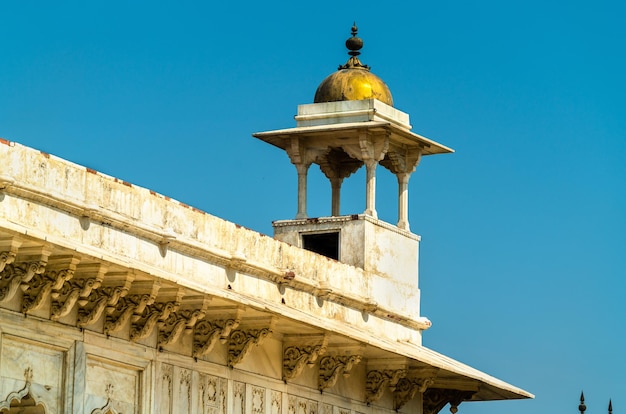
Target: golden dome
353,81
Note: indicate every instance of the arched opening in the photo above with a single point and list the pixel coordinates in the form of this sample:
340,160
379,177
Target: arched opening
25,405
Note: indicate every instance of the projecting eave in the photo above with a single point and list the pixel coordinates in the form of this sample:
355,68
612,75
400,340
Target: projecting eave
456,375
398,135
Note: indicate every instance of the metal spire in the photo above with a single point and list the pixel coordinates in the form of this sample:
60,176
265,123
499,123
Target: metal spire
582,407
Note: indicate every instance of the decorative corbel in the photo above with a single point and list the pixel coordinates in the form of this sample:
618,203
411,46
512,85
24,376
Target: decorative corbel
436,398
192,309
8,250
207,332
241,341
16,275
378,380
141,296
402,160
86,279
333,366
143,324
43,285
306,352
114,287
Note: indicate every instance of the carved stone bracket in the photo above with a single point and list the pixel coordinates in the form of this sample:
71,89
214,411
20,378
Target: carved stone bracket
15,275
105,297
436,398
78,288
241,342
124,309
206,333
42,285
144,324
333,366
406,389
183,320
133,305
6,258
337,164
8,250
402,160
296,357
378,380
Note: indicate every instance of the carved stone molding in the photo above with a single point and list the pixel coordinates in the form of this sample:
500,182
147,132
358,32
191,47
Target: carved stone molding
206,333
241,342
436,398
333,366
378,380
295,357
17,275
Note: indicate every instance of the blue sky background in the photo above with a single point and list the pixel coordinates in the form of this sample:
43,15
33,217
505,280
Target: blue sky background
523,251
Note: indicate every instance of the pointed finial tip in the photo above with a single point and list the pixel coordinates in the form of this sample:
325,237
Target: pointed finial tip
582,407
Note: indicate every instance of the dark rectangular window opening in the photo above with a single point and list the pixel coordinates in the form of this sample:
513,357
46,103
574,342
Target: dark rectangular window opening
322,243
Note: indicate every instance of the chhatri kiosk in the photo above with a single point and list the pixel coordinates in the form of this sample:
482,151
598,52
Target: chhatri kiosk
115,299
352,123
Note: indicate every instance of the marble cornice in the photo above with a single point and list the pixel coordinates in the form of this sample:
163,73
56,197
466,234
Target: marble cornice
167,240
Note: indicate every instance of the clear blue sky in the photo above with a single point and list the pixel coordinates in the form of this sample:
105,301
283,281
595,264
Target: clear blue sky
523,253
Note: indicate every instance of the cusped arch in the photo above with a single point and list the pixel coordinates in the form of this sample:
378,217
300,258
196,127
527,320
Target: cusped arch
107,409
22,402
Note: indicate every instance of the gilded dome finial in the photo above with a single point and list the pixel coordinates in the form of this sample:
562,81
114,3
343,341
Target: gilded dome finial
353,81
354,44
